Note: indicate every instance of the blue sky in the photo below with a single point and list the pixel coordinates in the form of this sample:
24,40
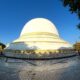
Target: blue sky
15,13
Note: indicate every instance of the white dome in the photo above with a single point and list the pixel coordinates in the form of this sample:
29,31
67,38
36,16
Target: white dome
38,36
39,25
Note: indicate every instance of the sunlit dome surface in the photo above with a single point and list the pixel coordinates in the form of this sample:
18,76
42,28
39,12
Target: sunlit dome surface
39,25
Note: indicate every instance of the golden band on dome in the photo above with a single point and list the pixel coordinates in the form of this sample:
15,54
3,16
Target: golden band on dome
41,42
40,33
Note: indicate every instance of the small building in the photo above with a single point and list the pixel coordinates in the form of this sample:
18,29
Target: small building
77,47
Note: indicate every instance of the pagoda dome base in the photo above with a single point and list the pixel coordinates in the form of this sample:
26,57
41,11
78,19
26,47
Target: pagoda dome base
39,54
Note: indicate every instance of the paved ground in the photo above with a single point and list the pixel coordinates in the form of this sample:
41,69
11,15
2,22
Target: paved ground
61,69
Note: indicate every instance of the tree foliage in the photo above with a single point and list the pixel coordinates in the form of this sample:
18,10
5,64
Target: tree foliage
3,45
74,7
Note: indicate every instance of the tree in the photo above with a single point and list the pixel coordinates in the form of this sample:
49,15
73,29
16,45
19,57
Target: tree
3,45
74,7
